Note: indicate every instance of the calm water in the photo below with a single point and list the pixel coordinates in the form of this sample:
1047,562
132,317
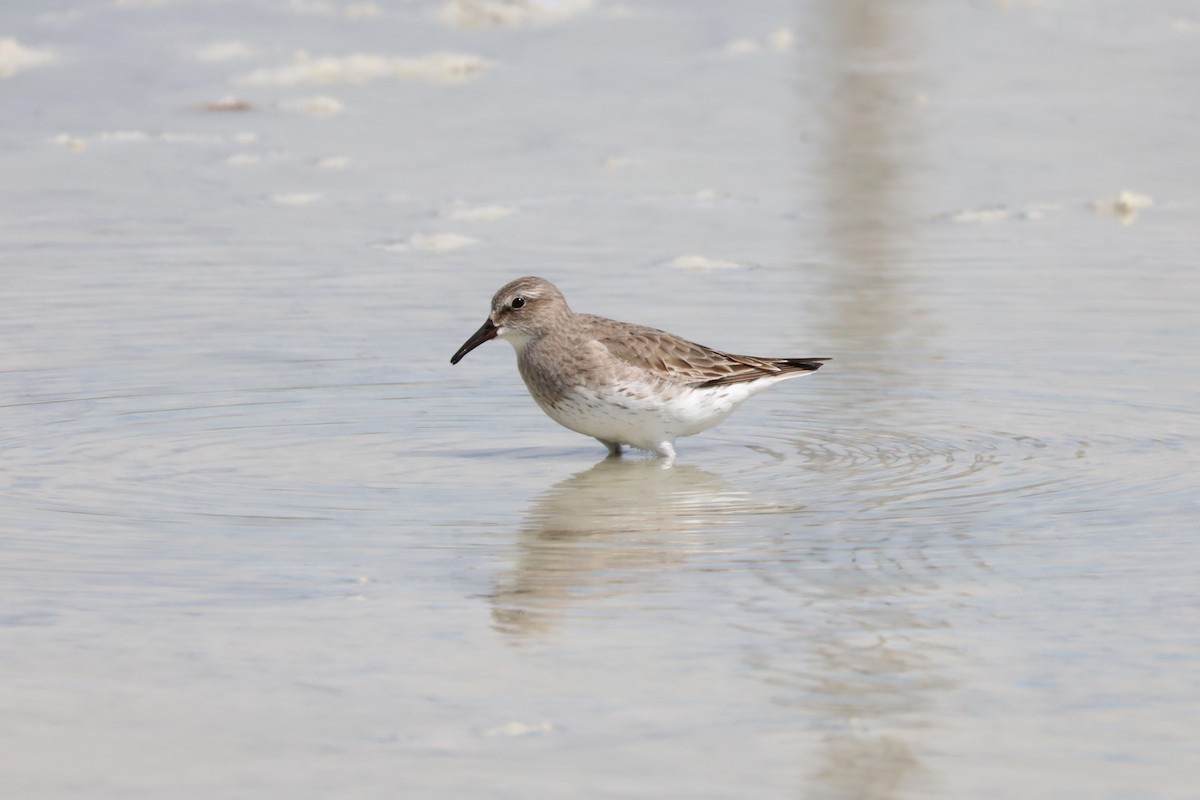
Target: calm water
259,539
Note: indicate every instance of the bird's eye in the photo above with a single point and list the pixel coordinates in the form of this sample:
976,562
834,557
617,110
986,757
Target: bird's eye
518,302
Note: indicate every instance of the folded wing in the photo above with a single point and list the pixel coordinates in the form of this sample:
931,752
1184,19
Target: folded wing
672,358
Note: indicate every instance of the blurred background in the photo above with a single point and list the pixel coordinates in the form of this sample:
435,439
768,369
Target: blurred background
258,538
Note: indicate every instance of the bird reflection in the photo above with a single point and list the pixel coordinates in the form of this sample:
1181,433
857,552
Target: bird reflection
605,531
871,674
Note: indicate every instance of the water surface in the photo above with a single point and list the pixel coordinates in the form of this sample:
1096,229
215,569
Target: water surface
258,538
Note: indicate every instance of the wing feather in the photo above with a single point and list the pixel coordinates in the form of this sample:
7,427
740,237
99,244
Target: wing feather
671,358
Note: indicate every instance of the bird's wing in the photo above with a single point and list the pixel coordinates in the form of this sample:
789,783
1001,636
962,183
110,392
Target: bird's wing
669,357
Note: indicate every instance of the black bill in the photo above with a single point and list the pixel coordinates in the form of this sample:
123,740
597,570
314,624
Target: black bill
486,332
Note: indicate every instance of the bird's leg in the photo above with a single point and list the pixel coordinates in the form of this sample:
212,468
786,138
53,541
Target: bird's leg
666,450
614,448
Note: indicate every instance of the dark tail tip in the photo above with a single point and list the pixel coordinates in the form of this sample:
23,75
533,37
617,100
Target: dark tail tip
809,364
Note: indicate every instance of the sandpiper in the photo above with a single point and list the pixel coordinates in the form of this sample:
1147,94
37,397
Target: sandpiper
620,383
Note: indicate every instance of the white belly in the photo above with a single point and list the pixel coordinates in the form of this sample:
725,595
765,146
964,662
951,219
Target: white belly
647,420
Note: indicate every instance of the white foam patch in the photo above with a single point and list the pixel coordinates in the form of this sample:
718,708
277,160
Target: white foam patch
702,263
517,728
509,13
992,215
79,142
480,213
780,41
224,51
333,162
15,57
173,137
708,197
430,243
243,159
320,106
362,67
296,198
73,143
439,242
362,11
1125,206
983,216
619,162
123,137
321,8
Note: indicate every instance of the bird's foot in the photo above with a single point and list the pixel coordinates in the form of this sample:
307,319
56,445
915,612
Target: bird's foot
614,448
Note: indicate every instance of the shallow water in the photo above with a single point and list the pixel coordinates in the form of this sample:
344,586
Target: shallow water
258,538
